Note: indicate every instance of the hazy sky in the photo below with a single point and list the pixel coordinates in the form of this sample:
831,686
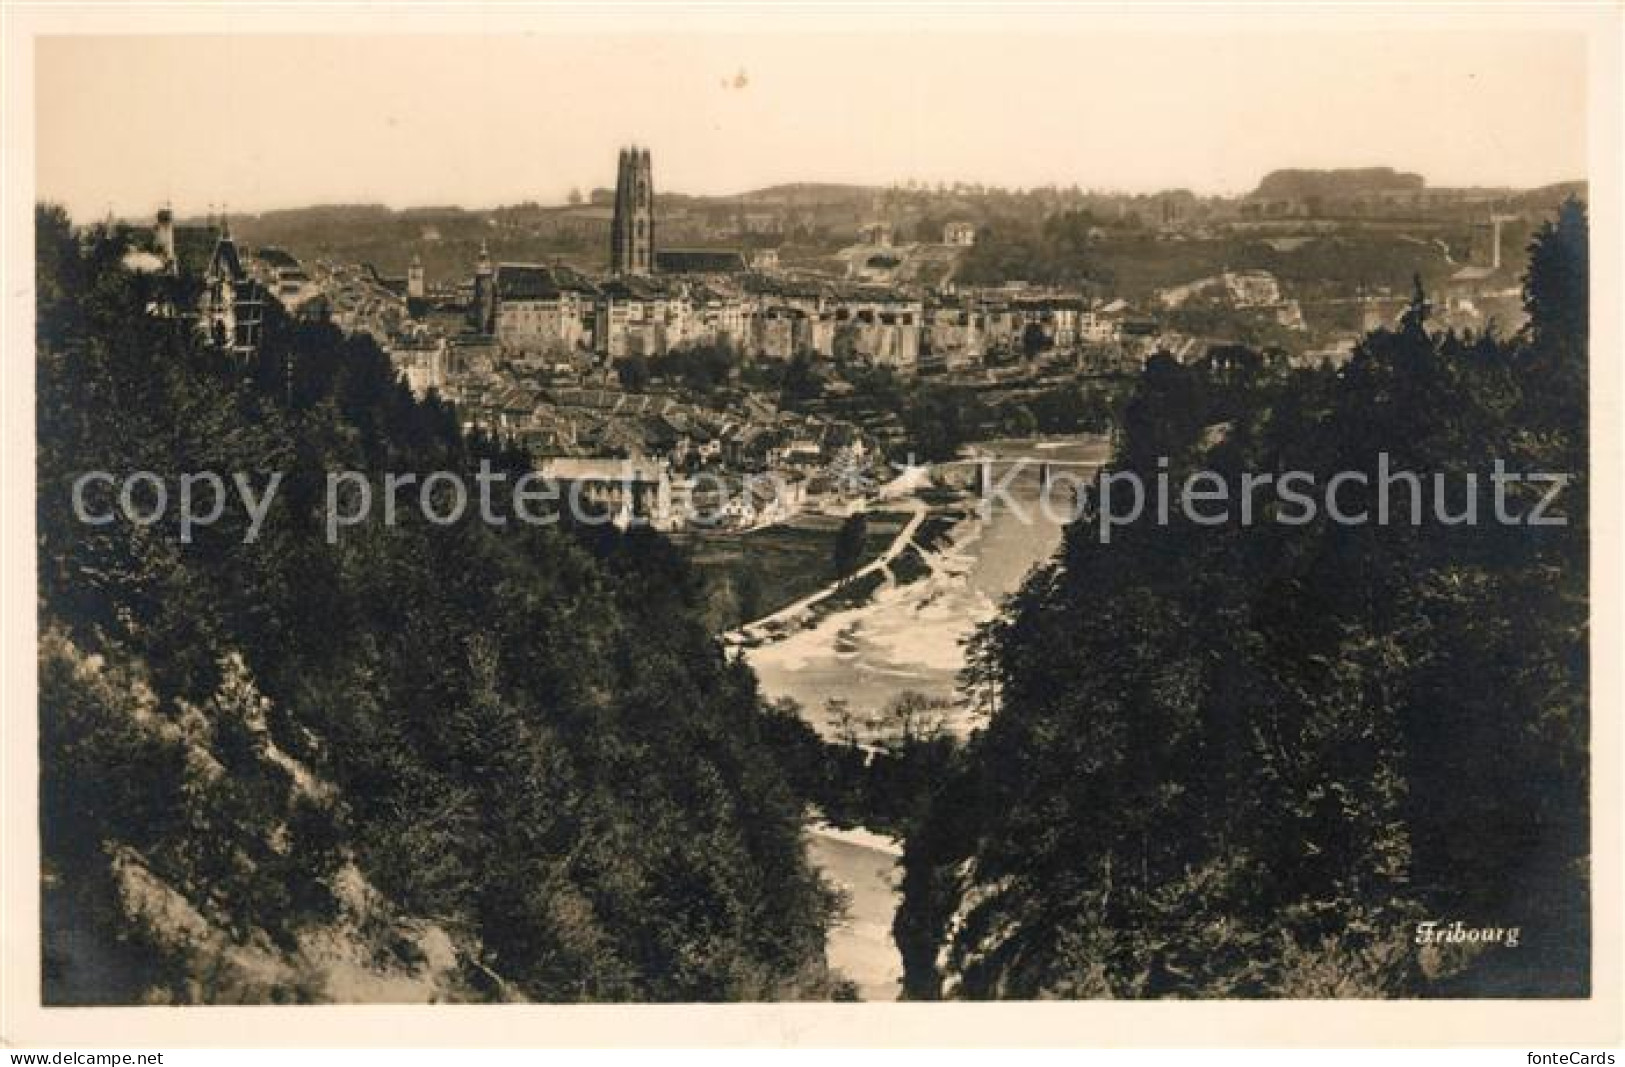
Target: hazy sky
256,122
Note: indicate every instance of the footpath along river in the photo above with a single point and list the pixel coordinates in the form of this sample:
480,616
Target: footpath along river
911,637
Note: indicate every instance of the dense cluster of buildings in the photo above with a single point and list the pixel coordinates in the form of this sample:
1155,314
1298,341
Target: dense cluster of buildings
656,300
533,350
553,311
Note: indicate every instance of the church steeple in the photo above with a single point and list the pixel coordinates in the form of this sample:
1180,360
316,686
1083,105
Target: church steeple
482,310
632,232
415,286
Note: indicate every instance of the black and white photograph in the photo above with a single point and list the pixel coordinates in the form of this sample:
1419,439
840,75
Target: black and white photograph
666,510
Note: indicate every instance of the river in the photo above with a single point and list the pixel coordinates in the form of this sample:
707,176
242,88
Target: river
911,637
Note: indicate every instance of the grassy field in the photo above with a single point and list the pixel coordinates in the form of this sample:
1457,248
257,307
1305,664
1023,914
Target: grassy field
754,574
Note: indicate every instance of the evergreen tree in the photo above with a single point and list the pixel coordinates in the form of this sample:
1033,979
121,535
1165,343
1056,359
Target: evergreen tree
1245,760
523,735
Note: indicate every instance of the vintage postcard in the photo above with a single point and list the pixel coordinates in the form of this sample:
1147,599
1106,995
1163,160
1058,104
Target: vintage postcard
546,507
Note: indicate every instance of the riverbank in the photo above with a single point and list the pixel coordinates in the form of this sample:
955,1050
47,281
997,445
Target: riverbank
863,579
866,868
907,636
862,648
751,574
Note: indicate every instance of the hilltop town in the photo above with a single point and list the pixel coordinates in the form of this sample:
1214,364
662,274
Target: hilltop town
928,591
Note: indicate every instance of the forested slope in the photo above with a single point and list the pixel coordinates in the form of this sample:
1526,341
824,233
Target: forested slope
1247,760
450,762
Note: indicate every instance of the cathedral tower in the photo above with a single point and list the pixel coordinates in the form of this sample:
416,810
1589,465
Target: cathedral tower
632,233
482,310
415,287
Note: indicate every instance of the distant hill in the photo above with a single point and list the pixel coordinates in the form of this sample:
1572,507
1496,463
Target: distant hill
1334,184
1548,197
803,194
817,216
322,214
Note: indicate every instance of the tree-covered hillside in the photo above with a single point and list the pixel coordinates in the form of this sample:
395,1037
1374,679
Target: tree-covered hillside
450,762
1248,760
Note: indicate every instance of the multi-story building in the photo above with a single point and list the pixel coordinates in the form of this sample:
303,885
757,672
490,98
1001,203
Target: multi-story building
619,490
204,281
880,325
633,316
1096,327
542,309
954,335
1251,288
721,313
231,305
421,360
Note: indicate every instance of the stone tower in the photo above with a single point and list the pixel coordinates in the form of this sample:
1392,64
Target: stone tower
164,237
482,311
415,288
632,233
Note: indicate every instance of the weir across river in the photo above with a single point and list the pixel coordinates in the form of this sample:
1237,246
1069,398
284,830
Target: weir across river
910,637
